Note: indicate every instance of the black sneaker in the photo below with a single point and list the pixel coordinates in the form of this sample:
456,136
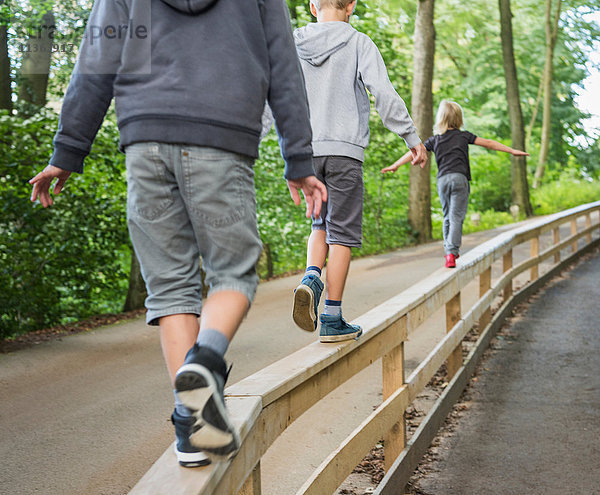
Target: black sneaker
187,455
199,384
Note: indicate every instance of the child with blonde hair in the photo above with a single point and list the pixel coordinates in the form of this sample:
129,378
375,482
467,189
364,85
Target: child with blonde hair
450,146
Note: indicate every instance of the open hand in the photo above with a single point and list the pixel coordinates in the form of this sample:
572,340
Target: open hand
519,153
314,192
41,184
391,168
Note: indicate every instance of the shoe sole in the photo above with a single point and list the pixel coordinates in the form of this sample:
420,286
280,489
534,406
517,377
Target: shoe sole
303,311
213,431
340,338
192,459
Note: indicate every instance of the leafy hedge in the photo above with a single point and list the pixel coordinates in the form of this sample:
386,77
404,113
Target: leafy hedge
68,261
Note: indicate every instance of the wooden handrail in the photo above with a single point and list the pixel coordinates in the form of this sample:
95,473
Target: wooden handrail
264,404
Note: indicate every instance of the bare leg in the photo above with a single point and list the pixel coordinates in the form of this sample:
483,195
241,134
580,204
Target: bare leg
337,270
222,311
177,334
317,249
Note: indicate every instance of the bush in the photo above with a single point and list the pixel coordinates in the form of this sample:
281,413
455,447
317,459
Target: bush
564,194
491,184
66,262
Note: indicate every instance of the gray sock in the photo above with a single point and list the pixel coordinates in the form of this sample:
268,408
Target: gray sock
332,308
180,408
214,340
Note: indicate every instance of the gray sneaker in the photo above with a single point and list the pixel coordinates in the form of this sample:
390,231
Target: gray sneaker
336,329
306,302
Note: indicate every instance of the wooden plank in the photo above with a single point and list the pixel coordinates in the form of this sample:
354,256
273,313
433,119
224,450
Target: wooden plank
453,313
340,463
421,375
252,485
485,284
277,379
573,232
507,263
166,476
393,379
588,224
534,252
556,240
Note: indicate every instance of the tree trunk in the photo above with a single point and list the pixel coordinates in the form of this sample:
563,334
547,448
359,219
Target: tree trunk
136,294
551,35
419,207
36,62
5,89
520,187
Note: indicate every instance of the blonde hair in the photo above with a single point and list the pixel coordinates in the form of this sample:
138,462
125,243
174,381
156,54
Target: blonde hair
336,4
449,116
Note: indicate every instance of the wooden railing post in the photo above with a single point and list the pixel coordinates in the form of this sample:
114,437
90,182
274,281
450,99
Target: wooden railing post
252,484
573,232
485,283
534,252
394,378
453,315
588,224
507,263
556,240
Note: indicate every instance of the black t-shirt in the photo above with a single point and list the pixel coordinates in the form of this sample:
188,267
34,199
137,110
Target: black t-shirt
452,151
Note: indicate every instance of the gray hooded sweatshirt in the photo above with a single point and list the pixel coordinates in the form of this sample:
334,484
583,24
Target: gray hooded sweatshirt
193,72
339,65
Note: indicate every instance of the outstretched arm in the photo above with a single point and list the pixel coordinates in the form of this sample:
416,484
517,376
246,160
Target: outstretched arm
389,104
490,144
406,158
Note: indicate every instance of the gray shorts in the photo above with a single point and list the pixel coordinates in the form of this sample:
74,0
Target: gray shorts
341,215
184,202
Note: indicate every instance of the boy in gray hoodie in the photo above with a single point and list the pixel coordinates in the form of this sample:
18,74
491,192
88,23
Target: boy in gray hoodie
340,64
190,79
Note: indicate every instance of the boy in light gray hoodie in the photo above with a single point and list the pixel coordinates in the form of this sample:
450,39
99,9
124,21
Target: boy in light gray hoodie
340,64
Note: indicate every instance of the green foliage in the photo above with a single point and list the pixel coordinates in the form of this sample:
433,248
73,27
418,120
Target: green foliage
491,185
71,261
65,262
563,194
281,224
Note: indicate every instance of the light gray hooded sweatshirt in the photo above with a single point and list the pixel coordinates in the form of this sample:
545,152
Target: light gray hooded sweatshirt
339,65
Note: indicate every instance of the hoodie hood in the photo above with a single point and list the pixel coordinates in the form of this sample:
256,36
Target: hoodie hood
316,42
192,7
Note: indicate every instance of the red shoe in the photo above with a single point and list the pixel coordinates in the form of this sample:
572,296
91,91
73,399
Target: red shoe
450,261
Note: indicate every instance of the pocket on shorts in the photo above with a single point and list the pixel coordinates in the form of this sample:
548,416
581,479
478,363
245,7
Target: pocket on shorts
149,192
344,174
219,185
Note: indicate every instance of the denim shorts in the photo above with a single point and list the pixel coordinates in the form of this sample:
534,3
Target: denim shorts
183,203
341,215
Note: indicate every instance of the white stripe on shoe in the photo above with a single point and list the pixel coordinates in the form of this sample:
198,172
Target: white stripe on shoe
207,436
303,311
